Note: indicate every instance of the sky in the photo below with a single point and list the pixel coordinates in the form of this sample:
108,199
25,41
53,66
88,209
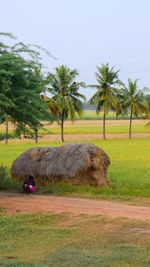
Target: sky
82,34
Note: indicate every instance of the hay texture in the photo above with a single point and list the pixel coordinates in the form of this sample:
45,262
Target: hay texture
76,163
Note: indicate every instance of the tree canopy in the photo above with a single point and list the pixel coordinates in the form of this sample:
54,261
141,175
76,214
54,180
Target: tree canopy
106,94
21,82
65,92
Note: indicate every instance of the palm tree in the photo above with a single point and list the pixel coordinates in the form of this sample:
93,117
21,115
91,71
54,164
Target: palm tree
132,101
147,98
64,91
106,94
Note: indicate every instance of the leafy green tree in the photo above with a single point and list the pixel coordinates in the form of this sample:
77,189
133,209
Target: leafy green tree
133,102
106,95
21,82
64,90
20,95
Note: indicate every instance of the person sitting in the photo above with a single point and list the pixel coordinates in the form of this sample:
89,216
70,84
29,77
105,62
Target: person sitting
29,185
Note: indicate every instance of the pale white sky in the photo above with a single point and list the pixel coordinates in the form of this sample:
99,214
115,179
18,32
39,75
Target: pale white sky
85,33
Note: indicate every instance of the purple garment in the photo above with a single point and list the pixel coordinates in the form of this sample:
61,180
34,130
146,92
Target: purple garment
32,188
29,188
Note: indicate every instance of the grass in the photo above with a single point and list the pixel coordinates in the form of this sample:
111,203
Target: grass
129,171
97,129
91,115
65,240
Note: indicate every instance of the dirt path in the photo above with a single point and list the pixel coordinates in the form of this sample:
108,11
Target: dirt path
20,203
89,137
78,137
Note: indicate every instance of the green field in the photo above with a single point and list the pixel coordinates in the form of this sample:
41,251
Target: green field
91,115
95,129
90,129
129,171
65,240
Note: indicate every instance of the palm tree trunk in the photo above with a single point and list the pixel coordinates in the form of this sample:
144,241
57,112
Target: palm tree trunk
62,125
104,120
36,136
6,133
130,126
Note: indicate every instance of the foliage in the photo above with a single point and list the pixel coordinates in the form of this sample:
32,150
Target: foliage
147,100
21,82
132,101
106,95
4,175
64,91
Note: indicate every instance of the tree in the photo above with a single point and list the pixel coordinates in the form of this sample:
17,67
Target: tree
147,98
20,94
106,95
132,102
21,82
64,91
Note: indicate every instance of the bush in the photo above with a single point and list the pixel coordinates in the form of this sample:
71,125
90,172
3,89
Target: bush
6,182
10,136
3,175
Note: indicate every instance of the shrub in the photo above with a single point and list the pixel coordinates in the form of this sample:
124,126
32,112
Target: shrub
3,175
6,182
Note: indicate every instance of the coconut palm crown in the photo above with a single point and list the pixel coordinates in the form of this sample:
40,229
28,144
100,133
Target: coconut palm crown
64,90
132,101
106,95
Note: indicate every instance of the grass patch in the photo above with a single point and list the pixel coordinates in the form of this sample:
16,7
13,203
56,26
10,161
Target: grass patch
97,129
2,211
91,115
66,240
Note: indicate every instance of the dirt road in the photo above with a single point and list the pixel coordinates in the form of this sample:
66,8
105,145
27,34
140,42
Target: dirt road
19,203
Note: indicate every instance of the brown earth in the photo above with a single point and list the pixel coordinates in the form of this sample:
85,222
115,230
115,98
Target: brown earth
99,123
20,203
79,137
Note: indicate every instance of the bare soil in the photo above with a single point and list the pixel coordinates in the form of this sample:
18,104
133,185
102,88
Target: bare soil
99,123
79,137
20,203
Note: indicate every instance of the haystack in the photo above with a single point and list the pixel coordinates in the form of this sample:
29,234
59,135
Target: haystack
76,163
